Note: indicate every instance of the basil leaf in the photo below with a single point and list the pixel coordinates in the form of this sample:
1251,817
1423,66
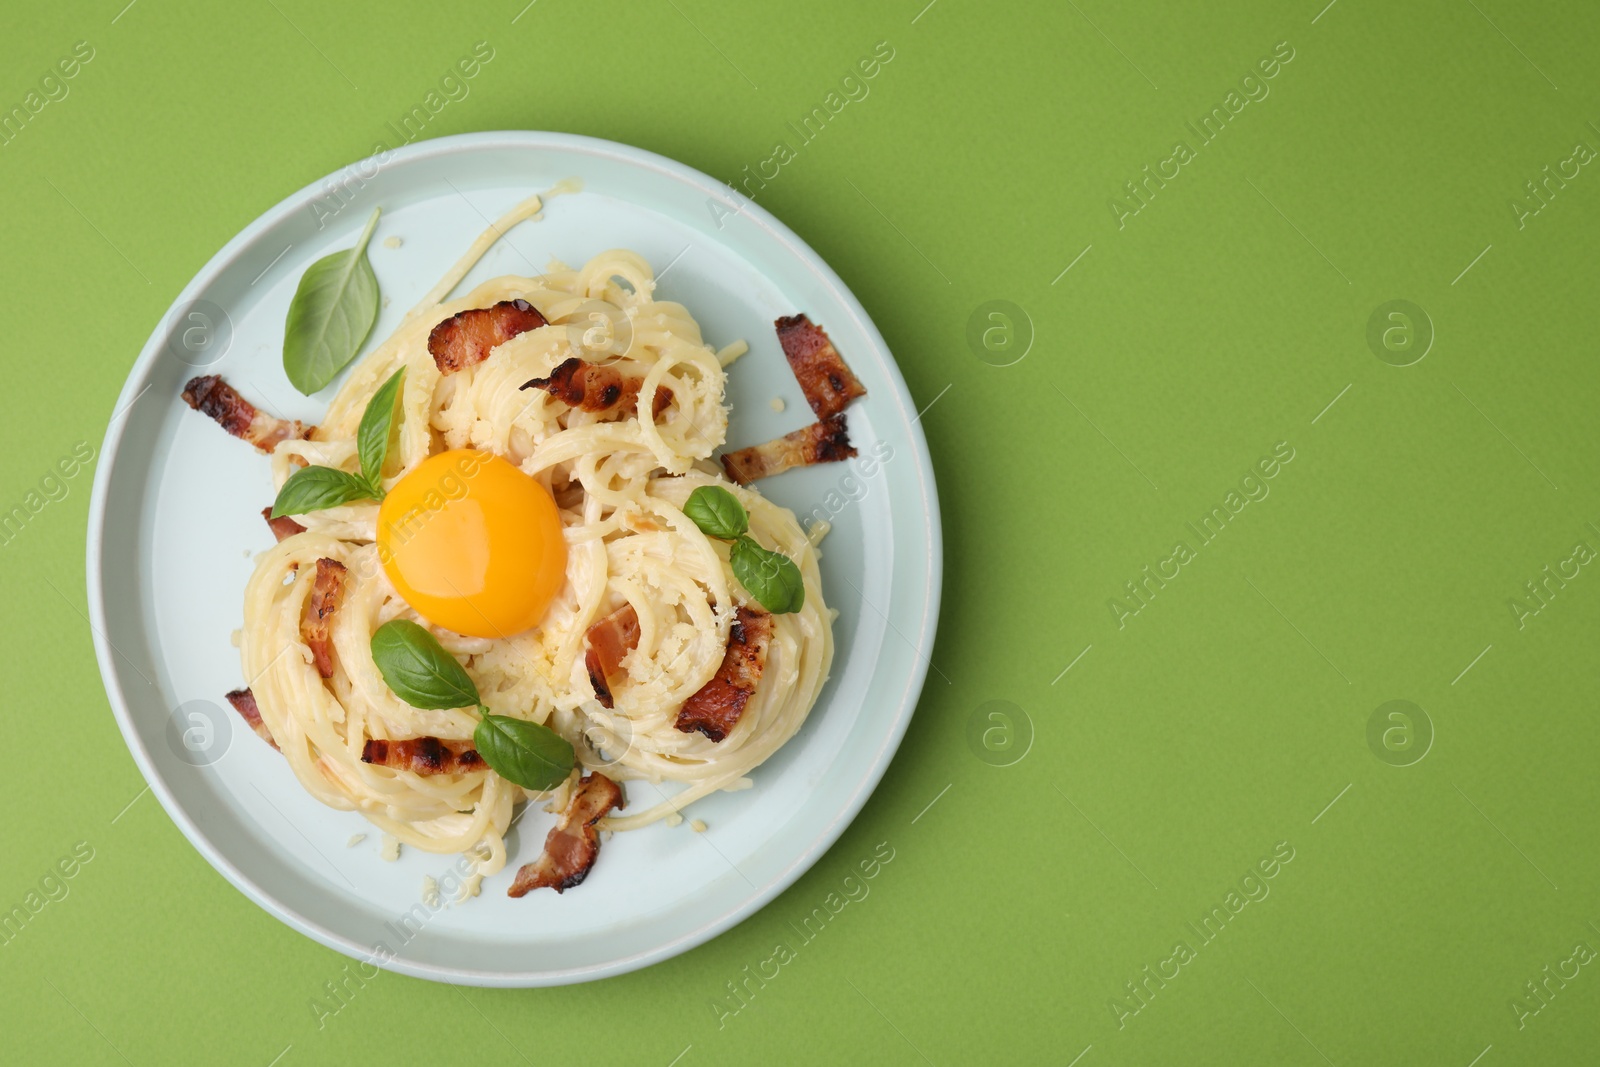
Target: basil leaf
771,577
419,670
332,312
717,512
315,488
523,753
372,439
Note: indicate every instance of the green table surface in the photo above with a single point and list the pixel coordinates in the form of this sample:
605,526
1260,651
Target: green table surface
1090,773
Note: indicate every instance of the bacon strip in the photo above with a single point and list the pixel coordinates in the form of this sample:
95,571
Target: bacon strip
826,381
597,387
574,843
608,641
282,526
467,337
827,441
244,702
716,708
423,755
216,399
316,620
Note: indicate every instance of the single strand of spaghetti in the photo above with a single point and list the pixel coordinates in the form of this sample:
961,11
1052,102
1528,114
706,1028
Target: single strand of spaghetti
485,241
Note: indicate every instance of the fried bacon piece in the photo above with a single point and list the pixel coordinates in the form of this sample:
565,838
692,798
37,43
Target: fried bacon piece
572,845
827,441
716,708
316,620
826,381
608,640
282,526
216,399
597,387
423,755
468,337
244,702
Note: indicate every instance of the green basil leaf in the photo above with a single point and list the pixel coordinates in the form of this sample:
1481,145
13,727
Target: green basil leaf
717,512
372,439
332,312
771,577
523,753
419,670
315,488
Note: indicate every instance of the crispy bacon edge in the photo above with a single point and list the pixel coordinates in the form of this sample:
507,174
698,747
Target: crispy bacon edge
467,337
316,619
217,400
283,526
715,709
827,441
608,641
825,379
423,755
597,387
573,844
244,702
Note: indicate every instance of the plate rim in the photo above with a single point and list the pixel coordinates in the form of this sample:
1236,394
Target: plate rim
805,858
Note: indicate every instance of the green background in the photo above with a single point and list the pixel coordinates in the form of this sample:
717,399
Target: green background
1068,846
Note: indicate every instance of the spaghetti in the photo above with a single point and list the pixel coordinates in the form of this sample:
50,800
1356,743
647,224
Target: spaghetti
621,480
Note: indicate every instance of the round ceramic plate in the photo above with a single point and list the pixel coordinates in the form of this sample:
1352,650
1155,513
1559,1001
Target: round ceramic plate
176,518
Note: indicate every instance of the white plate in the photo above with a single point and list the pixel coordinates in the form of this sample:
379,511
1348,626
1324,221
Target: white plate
176,517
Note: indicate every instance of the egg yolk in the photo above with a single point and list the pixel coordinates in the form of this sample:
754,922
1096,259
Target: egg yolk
473,544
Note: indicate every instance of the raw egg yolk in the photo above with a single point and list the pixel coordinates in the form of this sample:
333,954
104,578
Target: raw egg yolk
473,544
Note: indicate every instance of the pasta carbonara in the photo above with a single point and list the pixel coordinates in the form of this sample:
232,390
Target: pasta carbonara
620,479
